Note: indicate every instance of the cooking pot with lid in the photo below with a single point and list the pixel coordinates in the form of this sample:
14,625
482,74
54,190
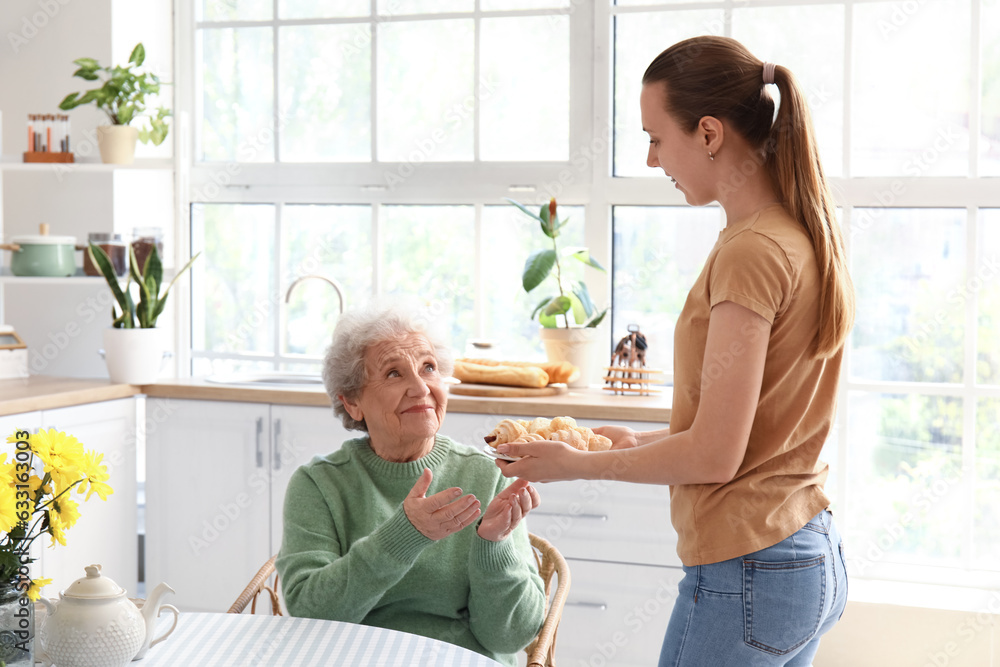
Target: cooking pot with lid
41,254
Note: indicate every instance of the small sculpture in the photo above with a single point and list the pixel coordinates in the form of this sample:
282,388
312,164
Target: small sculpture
628,372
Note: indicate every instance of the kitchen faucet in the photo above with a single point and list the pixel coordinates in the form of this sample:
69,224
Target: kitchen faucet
333,283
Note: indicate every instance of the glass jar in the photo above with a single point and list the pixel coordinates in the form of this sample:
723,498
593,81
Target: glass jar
144,239
116,249
17,627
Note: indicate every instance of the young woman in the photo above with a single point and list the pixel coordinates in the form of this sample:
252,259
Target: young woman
757,354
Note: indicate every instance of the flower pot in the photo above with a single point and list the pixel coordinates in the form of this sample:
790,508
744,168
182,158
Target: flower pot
117,143
135,356
578,346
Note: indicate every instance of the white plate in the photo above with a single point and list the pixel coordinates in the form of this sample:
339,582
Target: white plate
490,451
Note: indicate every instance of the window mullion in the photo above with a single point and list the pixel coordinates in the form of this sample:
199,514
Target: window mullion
848,78
280,311
975,83
377,235
969,400
373,80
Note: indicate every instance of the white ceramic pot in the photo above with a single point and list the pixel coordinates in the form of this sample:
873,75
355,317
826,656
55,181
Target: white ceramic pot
135,356
578,346
117,143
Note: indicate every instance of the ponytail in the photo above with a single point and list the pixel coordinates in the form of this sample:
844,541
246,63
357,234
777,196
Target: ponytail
718,76
798,178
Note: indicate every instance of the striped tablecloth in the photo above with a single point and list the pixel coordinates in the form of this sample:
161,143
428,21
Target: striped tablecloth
245,640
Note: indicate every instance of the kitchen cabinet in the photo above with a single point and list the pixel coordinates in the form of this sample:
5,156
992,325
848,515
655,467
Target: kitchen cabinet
216,473
621,550
107,531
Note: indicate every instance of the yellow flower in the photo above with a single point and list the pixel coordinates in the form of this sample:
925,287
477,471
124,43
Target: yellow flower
95,474
8,508
35,589
55,529
67,510
62,455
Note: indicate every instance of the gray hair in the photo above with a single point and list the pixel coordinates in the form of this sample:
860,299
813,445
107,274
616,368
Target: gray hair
382,319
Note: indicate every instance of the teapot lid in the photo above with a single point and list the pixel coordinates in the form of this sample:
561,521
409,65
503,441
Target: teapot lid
93,586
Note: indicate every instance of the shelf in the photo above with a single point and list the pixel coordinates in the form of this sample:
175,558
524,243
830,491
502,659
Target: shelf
7,277
13,163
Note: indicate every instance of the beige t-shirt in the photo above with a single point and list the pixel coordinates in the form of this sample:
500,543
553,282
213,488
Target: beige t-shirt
766,264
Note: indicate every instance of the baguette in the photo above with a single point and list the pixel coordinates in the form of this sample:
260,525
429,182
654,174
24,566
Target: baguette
558,371
511,376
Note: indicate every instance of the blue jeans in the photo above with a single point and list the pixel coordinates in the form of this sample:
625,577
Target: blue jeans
769,607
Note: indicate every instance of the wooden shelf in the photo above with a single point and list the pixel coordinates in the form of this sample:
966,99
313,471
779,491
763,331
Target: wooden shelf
9,163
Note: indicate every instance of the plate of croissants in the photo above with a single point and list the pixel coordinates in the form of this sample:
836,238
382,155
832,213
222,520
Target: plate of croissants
560,429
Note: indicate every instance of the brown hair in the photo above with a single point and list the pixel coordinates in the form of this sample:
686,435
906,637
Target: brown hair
718,76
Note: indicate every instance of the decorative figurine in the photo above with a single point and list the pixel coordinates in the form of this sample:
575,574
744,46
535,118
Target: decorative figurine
628,372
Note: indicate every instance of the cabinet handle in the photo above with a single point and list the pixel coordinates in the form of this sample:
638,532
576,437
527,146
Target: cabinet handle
596,517
277,444
600,606
260,452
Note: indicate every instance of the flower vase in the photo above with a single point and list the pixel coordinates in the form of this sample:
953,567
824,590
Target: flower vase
17,627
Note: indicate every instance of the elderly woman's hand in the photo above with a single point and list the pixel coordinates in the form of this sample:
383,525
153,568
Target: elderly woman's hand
507,509
443,513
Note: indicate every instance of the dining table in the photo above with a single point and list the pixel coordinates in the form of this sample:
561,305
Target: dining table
203,639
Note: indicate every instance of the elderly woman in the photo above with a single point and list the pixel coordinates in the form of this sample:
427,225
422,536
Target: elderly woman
389,530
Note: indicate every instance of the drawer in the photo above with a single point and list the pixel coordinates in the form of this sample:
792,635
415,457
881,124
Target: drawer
615,614
605,520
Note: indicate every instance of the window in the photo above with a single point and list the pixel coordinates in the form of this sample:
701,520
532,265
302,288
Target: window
329,137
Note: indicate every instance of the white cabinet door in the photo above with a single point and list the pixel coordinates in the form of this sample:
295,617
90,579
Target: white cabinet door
207,499
107,531
298,434
615,614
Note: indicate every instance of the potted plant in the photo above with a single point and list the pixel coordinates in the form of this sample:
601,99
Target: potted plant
566,312
123,98
133,347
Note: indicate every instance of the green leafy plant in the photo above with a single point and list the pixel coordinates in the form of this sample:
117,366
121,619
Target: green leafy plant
123,95
141,313
571,297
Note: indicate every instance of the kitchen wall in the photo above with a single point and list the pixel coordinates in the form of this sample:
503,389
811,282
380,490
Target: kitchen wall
61,320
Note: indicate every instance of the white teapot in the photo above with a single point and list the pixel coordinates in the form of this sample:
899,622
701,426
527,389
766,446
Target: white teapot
95,625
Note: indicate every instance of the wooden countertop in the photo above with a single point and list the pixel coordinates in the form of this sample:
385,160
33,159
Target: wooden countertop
44,392
41,392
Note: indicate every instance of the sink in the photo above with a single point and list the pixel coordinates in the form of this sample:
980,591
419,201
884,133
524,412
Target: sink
272,378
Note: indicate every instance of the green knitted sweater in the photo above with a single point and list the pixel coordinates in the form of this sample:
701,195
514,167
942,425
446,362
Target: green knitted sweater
350,554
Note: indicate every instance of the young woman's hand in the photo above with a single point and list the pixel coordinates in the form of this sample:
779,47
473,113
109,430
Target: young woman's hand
442,514
507,509
541,461
622,437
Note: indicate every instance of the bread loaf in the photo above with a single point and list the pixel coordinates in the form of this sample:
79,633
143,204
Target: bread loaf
511,376
558,371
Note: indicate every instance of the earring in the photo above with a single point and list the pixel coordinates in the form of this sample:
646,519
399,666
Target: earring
710,156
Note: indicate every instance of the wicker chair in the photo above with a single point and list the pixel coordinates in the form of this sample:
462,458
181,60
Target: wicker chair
542,651
256,586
